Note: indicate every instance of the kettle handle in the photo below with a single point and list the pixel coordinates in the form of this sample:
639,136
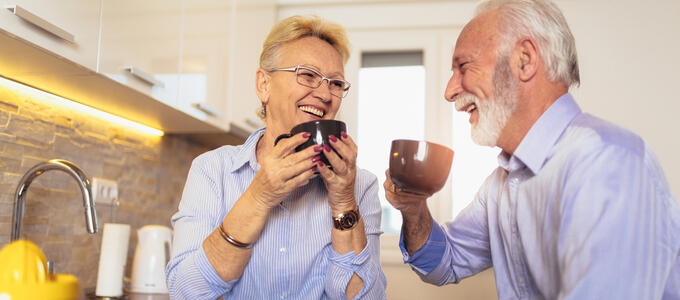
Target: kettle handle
168,248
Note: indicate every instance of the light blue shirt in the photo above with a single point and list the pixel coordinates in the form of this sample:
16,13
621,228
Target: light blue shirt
582,210
293,257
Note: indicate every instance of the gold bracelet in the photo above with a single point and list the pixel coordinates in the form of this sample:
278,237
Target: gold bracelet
233,241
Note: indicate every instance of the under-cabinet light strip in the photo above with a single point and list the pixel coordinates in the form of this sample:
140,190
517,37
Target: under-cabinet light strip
65,103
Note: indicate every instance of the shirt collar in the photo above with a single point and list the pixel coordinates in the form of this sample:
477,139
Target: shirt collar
246,153
535,147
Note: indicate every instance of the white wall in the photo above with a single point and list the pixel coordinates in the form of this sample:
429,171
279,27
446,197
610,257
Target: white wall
629,62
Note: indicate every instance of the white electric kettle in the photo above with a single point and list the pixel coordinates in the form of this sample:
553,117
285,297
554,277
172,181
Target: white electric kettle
151,255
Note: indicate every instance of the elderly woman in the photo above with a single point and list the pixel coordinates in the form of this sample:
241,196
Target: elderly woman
255,221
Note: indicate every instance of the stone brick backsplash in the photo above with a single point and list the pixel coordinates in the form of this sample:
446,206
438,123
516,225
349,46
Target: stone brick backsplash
150,172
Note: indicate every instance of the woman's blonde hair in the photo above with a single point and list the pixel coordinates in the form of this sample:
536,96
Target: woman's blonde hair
296,27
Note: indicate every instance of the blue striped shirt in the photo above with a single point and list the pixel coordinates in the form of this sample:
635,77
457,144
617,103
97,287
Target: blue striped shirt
582,210
293,257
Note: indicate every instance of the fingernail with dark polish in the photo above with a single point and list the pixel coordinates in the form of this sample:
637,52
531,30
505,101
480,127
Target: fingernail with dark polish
343,134
316,158
306,135
320,164
332,138
318,148
327,148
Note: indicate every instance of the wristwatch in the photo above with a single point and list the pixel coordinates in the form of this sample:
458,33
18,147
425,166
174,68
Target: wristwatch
346,220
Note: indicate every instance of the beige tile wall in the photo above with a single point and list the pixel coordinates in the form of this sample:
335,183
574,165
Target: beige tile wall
150,172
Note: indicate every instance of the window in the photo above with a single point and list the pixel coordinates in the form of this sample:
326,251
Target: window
472,163
391,105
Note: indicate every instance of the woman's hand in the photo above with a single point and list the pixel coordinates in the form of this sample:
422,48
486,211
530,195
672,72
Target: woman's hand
340,180
283,170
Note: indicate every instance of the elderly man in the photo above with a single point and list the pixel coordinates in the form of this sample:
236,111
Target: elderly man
578,208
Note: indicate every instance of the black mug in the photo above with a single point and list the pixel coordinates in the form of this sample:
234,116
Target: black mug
320,130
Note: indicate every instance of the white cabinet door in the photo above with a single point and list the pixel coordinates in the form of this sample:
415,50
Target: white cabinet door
140,45
220,53
69,28
206,38
253,22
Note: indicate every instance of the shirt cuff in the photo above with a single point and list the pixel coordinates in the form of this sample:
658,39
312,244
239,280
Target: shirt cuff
351,263
210,275
429,255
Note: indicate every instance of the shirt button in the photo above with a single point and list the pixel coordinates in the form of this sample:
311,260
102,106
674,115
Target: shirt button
515,180
283,295
514,229
282,249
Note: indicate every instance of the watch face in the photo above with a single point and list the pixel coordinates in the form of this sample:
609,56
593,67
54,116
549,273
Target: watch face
347,220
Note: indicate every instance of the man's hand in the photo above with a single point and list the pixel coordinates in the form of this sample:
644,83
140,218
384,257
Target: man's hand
402,201
417,220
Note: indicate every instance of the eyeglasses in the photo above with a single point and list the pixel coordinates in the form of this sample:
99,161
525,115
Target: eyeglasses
312,78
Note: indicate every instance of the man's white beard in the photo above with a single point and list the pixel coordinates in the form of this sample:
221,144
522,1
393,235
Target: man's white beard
493,113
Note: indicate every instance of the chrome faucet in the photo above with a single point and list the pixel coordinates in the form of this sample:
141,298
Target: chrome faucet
54,164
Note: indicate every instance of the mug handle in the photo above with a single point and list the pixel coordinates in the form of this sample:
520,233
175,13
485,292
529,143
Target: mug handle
283,136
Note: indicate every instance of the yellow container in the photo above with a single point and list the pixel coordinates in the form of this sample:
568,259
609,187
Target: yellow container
24,275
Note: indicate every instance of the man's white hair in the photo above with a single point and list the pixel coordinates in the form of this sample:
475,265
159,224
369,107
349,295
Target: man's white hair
543,21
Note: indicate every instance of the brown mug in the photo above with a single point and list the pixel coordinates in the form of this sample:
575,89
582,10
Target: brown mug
320,130
419,167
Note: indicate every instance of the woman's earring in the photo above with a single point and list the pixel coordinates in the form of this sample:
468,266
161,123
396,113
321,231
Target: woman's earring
264,110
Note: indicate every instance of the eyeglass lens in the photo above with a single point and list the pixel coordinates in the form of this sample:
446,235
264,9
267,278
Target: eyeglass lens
313,79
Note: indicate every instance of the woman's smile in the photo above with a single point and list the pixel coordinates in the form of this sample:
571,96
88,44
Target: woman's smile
312,111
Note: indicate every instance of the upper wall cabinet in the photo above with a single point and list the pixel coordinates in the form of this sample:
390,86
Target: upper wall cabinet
183,66
140,44
221,46
254,20
68,28
204,79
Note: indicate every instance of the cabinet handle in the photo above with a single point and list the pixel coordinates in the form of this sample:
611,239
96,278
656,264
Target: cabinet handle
207,109
144,76
40,22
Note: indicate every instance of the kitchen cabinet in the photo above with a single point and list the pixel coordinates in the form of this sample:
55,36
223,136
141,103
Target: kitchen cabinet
197,56
68,28
140,44
254,19
206,37
221,46
182,66
46,67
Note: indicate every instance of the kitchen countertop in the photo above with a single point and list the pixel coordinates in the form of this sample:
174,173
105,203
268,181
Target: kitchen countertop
131,296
